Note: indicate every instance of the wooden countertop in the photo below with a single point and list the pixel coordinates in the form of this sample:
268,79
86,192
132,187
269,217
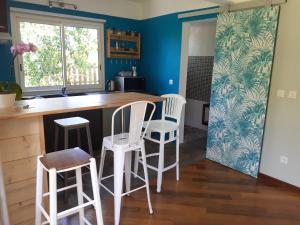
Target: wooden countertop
38,107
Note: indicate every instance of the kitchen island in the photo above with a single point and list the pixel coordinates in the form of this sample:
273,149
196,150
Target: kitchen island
22,139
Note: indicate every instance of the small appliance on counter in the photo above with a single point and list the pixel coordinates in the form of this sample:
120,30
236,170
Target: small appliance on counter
110,85
125,74
130,83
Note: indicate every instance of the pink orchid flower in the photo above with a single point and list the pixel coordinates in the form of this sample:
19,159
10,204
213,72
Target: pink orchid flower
21,48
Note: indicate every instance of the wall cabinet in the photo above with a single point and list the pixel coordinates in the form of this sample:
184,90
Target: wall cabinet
3,16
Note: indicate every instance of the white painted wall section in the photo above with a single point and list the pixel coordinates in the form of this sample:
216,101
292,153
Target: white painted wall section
119,8
202,38
193,114
154,8
282,133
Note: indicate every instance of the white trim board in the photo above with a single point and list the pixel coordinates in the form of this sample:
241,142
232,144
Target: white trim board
64,16
233,7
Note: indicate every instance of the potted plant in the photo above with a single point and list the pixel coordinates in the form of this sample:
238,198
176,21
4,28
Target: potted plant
9,90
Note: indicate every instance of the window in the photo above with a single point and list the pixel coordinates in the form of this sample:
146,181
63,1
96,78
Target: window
70,53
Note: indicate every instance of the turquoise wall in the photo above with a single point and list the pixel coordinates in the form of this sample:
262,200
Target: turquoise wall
111,69
161,50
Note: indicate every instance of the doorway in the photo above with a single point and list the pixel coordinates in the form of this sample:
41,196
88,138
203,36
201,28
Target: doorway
197,60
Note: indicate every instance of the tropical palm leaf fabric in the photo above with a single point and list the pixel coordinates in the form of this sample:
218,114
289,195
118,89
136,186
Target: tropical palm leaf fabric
240,86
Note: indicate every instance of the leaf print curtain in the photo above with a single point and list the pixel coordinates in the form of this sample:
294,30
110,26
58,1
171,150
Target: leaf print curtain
242,69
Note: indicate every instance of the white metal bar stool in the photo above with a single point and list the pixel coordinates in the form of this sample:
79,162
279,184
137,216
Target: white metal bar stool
4,219
122,145
59,162
168,125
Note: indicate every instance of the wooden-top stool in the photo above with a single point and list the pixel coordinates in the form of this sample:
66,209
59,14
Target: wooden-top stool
73,123
68,124
60,162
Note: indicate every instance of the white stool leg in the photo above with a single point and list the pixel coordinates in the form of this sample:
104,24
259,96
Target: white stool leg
53,196
136,162
4,219
39,192
96,192
119,157
128,159
177,155
146,178
102,160
79,195
160,161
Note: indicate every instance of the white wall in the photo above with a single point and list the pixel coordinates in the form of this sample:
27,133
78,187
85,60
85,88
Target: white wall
120,8
202,38
153,8
193,114
282,134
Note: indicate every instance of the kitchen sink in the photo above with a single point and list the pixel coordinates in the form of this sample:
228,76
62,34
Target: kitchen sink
77,94
52,96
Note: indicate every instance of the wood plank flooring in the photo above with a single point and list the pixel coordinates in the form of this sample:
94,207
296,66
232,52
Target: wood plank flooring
207,194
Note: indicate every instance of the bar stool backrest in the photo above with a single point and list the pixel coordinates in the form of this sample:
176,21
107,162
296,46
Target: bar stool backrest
172,107
135,114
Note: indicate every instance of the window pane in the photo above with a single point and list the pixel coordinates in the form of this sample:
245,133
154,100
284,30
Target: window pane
81,48
43,68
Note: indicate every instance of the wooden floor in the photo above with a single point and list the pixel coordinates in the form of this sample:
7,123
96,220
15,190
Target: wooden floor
207,194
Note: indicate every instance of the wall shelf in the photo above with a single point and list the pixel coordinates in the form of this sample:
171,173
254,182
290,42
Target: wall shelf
115,39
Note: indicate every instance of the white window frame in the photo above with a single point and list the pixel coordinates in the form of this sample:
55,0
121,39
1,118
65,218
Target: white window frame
19,15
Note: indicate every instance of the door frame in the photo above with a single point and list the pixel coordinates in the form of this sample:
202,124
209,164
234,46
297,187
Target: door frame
186,27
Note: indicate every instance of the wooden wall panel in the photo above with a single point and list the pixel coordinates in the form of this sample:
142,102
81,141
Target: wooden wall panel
19,147
20,213
20,191
19,127
21,141
19,170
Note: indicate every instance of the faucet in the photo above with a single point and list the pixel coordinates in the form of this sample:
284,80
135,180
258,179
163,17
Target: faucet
63,90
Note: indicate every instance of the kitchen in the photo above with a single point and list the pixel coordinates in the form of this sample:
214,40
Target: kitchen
77,62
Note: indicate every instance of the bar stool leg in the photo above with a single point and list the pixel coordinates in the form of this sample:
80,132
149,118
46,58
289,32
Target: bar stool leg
66,174
160,161
79,195
39,192
88,133
102,160
128,159
53,196
136,163
78,137
96,192
119,157
146,178
66,138
177,154
56,138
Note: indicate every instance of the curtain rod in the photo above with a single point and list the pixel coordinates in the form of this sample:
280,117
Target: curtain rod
233,7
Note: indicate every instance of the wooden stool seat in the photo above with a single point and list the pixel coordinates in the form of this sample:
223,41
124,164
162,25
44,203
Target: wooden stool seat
71,122
65,159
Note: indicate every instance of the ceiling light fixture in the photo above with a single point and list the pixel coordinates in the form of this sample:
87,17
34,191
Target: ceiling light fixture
61,4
